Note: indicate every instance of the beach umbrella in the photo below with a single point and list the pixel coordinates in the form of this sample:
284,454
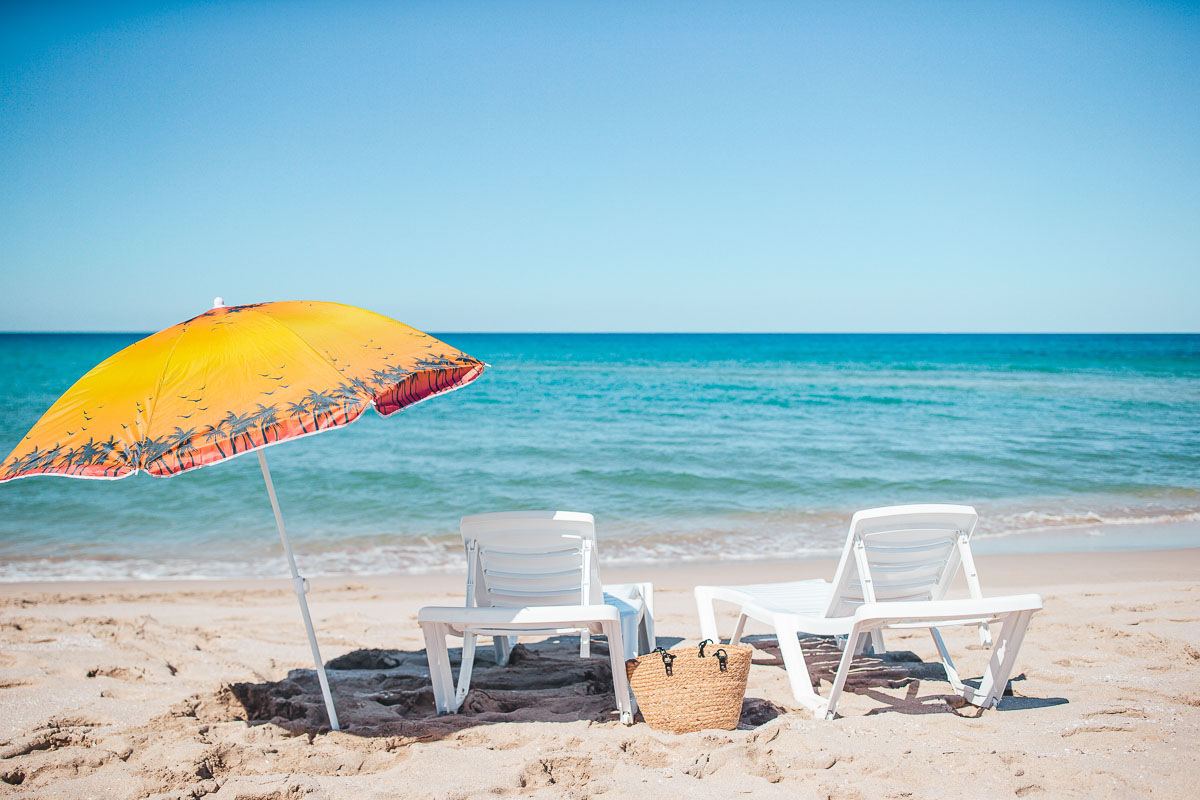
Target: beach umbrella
234,380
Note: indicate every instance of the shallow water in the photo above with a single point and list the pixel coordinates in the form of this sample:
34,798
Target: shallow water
683,446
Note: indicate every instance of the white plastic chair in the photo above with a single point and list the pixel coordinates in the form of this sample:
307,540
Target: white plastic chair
895,570
535,573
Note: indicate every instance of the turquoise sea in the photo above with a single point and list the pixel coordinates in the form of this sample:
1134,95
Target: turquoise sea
685,447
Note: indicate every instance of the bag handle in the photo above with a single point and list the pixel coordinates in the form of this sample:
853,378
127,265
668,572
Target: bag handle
722,658
667,659
704,644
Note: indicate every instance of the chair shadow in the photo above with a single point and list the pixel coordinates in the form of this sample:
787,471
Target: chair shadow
386,693
896,669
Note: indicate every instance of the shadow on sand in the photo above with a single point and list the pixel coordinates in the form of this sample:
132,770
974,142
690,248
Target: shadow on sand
386,693
896,669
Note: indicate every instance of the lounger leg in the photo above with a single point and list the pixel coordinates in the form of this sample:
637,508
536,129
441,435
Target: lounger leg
616,660
948,664
877,642
439,664
1004,655
465,669
630,634
647,640
839,680
645,635
503,646
708,616
737,632
797,669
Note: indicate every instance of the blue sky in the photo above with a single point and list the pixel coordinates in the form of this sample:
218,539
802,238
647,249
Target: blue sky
605,166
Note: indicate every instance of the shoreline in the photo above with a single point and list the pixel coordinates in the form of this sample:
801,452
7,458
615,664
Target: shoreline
1071,539
1174,561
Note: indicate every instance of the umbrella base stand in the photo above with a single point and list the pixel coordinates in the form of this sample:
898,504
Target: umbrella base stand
301,586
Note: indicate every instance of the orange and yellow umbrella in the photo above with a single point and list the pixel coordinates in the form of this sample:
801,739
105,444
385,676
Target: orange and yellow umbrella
232,380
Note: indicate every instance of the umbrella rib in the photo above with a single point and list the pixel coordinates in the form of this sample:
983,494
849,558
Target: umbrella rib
158,392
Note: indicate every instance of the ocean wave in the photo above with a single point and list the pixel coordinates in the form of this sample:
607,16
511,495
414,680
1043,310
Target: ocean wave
735,537
1033,521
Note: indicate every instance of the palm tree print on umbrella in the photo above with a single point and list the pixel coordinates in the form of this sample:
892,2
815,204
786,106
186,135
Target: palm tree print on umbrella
267,419
26,462
70,458
298,411
179,443
215,434
238,425
324,405
151,451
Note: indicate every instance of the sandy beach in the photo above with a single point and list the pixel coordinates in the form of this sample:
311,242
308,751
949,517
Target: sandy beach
189,689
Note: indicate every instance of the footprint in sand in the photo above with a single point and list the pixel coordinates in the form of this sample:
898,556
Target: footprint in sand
120,673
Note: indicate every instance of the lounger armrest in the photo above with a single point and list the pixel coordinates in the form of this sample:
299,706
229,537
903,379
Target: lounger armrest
529,615
943,611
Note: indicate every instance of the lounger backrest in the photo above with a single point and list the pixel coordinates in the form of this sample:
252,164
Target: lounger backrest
531,558
902,553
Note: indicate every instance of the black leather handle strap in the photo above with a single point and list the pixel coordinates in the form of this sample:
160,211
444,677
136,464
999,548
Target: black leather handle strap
704,644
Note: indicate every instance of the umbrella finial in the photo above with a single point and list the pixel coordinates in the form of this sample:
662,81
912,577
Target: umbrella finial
218,302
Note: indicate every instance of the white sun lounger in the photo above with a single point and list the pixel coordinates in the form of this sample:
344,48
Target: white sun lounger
895,570
535,573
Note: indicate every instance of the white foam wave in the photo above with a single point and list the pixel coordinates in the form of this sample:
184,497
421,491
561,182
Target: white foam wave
1033,521
745,538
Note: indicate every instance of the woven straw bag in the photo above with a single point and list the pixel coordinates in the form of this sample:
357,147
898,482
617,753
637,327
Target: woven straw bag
688,689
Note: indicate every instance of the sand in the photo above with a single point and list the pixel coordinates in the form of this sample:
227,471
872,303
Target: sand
205,689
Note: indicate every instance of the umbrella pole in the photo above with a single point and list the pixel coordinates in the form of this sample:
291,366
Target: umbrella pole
301,586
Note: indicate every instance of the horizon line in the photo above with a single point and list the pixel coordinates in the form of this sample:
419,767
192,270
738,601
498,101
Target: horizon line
673,333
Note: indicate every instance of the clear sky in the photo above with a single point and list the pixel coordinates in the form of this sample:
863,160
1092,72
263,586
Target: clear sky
635,166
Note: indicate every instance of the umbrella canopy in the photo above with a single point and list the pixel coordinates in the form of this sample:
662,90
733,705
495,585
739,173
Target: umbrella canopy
232,380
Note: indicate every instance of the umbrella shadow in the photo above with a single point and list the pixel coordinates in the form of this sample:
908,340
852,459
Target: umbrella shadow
387,693
926,689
